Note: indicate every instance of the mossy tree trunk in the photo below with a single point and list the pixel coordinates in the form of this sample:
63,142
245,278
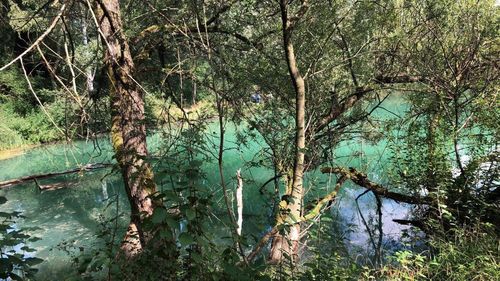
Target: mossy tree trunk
128,131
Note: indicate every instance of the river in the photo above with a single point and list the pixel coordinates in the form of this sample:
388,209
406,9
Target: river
69,219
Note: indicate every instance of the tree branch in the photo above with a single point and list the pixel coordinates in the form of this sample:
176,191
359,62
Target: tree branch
260,245
362,180
338,109
398,79
52,25
328,198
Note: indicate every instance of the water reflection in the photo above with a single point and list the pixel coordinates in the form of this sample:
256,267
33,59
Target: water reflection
70,215
73,214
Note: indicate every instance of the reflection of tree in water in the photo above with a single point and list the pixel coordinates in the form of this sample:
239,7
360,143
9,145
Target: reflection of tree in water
373,227
329,237
362,226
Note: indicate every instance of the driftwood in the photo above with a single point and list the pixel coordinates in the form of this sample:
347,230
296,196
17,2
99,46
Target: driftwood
86,168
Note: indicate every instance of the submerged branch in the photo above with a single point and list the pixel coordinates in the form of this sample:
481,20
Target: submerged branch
86,168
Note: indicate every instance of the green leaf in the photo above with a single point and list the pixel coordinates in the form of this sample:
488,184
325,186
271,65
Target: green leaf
159,215
190,214
14,259
28,249
5,215
14,276
186,239
196,257
172,222
165,233
34,239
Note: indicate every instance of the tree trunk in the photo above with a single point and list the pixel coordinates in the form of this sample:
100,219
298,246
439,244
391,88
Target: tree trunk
88,70
291,207
128,131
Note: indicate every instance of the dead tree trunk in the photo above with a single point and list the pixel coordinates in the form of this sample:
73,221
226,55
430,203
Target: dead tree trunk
128,131
239,201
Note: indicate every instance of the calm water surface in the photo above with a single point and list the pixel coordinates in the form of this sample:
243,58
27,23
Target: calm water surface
70,218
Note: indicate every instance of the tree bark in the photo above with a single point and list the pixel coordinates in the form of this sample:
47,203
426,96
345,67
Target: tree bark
291,207
128,131
88,70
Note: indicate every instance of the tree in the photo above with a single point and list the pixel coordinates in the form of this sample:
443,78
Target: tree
443,57
291,208
128,130
336,86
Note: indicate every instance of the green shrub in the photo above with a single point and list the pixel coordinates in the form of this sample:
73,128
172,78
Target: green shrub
8,137
466,254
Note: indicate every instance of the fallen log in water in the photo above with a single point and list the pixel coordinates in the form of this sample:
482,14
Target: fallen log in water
55,186
85,168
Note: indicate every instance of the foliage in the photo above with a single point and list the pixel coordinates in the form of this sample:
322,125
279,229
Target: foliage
35,127
470,253
444,146
329,259
8,137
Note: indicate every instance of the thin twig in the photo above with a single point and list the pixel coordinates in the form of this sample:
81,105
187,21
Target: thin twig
52,25
38,100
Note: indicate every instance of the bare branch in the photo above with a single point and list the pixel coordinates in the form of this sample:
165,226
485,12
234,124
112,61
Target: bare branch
38,100
51,26
338,109
292,21
398,79
260,245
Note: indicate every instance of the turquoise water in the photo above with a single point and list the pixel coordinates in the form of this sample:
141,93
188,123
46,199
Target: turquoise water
70,218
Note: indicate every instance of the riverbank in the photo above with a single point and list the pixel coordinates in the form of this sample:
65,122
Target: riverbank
13,152
14,141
